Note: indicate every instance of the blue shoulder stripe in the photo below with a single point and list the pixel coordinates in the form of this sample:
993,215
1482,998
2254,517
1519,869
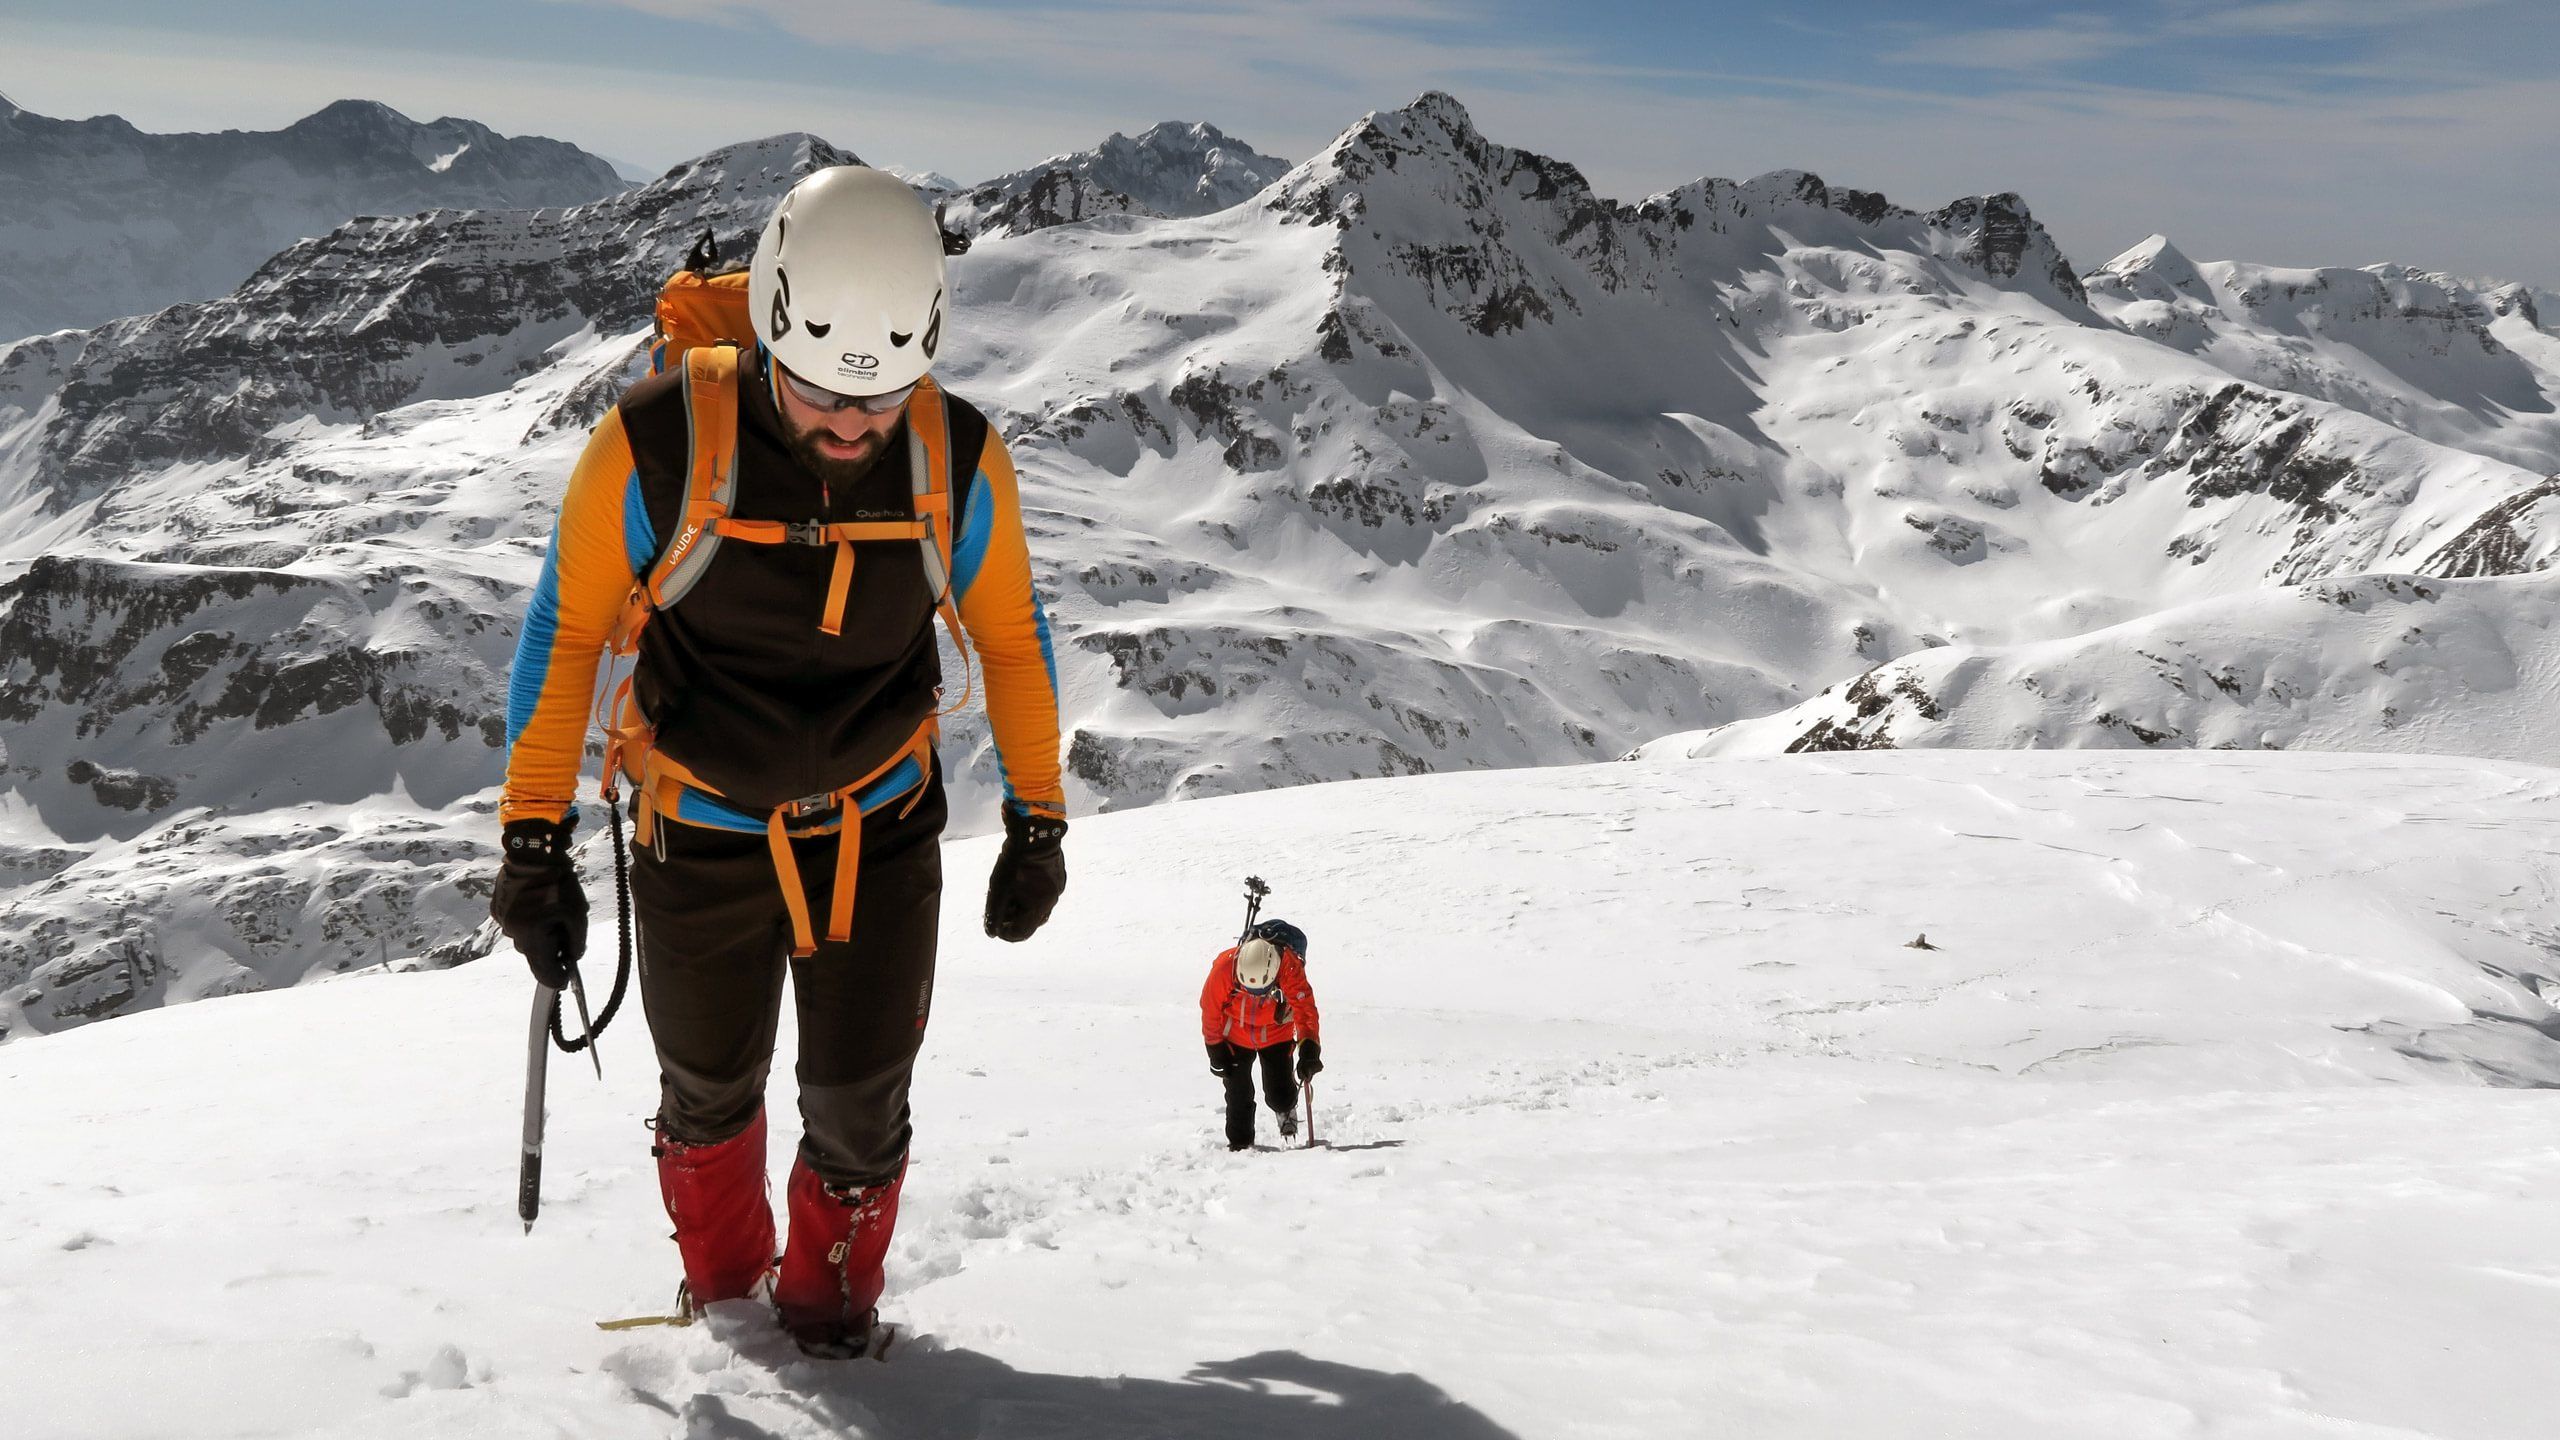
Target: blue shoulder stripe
639,537
969,545
533,646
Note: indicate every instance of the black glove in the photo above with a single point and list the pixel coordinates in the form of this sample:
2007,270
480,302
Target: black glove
1221,1055
1030,872
1310,1060
539,902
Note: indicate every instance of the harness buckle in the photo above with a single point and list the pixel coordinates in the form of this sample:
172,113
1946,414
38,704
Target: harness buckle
818,804
804,532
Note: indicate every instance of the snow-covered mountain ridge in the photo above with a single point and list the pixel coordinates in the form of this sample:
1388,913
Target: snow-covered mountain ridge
2371,663
100,219
2215,1073
1423,457
1167,169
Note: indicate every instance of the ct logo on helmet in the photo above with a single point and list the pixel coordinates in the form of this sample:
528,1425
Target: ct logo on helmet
858,365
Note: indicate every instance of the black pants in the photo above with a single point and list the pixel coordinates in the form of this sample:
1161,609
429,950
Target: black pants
1279,1087
715,938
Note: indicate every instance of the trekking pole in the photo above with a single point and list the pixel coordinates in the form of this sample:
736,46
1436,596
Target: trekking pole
537,1065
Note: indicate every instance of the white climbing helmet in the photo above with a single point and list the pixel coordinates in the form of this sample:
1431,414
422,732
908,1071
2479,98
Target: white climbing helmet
847,286
1257,964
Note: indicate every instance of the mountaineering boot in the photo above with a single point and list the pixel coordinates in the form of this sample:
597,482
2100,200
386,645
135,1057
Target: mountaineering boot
715,1194
831,1269
1288,1124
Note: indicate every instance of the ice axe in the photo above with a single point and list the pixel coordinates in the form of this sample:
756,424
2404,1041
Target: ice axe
1254,890
544,1031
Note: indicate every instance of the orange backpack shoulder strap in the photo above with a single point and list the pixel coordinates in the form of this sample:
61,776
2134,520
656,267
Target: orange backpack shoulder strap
711,477
930,463
929,472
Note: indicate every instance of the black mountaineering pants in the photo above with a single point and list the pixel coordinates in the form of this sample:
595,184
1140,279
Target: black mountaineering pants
715,939
1279,1087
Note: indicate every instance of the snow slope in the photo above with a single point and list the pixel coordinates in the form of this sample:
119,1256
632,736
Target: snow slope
2209,1111
2373,662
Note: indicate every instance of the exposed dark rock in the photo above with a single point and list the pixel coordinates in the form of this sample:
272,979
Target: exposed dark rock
1216,408
2247,441
1998,236
2497,542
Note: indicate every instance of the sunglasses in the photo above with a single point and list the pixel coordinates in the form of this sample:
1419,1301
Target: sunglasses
818,397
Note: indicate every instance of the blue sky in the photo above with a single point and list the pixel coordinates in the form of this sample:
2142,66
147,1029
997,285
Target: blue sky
2285,131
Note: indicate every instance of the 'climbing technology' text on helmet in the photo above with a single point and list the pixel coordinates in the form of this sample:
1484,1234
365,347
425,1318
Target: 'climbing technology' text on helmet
847,287
1257,964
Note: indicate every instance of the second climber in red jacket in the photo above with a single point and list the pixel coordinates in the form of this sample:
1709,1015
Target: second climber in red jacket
1255,1010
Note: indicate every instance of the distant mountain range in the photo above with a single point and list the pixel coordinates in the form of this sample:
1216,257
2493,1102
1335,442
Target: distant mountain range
99,219
1418,455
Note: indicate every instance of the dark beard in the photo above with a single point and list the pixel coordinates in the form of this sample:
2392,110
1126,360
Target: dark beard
838,476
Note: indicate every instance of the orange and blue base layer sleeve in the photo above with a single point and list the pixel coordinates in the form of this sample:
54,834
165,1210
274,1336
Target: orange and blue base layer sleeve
585,579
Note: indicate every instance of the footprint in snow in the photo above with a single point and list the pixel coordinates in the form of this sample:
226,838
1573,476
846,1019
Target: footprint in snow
446,1370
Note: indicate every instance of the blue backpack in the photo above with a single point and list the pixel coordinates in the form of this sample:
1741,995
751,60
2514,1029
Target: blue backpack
1282,934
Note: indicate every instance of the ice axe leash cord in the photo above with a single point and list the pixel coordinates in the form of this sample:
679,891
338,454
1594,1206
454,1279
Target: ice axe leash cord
622,952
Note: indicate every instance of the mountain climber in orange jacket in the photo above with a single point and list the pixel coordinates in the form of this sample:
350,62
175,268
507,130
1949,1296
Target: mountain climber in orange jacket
813,499
1254,1011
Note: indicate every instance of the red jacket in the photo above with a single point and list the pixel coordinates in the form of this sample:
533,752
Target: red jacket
1238,1016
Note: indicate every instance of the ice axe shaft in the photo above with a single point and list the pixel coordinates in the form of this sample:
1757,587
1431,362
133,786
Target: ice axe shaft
537,1068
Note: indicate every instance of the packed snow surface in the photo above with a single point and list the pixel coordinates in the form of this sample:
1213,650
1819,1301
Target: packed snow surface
2207,1110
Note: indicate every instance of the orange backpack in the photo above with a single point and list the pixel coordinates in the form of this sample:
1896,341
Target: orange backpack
703,325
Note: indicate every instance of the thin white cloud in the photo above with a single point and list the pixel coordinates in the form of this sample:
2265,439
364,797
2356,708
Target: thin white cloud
2315,18
1328,49
2065,40
2076,38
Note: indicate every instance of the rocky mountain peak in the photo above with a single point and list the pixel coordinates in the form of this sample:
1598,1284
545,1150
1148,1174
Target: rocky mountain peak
2508,300
1173,168
1439,107
2000,237
928,183
353,116
1431,153
2152,270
